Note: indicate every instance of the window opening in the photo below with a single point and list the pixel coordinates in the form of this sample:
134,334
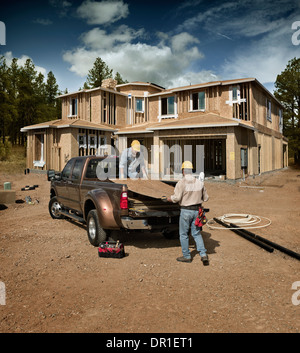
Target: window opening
73,107
198,101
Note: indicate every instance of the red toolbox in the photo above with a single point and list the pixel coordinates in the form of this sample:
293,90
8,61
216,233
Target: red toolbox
111,249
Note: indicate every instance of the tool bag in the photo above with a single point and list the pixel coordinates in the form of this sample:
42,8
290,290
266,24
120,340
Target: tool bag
111,249
201,218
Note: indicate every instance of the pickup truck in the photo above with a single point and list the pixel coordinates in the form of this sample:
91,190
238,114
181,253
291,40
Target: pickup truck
109,204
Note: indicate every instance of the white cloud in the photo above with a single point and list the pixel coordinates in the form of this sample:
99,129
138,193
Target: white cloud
167,63
103,12
246,18
99,39
190,78
259,33
181,41
22,60
265,57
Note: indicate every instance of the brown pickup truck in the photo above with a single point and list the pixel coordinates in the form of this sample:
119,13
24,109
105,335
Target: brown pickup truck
110,203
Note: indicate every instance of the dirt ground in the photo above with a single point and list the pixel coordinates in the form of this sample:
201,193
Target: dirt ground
55,281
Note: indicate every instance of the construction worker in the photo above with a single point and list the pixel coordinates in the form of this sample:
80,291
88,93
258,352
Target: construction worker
190,193
132,163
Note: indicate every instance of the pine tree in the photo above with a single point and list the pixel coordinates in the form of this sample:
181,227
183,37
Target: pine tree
51,89
119,79
288,92
13,75
4,99
25,99
98,73
27,109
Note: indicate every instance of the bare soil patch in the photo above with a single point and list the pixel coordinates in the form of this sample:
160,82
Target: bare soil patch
55,281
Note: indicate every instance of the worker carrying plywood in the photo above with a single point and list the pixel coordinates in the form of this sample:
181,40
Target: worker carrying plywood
132,162
190,193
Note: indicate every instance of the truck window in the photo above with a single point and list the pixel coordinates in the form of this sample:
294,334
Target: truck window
67,169
77,169
108,167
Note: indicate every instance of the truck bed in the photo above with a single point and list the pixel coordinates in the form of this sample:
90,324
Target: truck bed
144,198
151,188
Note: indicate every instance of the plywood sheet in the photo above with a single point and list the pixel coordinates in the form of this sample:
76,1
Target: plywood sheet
152,188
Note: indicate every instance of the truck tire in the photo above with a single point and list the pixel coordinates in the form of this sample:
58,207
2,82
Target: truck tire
96,233
54,207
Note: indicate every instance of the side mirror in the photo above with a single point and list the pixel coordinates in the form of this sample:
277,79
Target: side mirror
57,176
50,174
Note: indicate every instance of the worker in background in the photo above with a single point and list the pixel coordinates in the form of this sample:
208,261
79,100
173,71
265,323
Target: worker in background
132,163
190,193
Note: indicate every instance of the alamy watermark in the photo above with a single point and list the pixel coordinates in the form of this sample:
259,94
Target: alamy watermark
296,35
2,294
2,33
173,157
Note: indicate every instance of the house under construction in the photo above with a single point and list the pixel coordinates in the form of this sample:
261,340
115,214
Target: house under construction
230,128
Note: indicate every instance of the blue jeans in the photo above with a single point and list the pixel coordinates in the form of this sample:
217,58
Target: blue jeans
186,221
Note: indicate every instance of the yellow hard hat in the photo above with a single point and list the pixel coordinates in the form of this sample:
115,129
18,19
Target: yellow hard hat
136,145
187,165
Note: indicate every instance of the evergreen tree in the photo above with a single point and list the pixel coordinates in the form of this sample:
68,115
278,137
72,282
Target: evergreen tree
98,73
27,109
25,99
13,75
119,79
85,86
4,99
288,92
51,89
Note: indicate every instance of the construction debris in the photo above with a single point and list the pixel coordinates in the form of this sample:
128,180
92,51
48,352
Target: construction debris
258,240
27,187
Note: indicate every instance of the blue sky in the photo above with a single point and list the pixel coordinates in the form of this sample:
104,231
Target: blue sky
171,43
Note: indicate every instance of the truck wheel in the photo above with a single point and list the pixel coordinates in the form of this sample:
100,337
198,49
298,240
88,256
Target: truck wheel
96,233
54,208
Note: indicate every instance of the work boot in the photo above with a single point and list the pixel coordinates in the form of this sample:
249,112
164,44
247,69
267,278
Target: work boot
184,259
205,261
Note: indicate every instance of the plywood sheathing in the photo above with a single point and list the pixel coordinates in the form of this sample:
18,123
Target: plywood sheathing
152,188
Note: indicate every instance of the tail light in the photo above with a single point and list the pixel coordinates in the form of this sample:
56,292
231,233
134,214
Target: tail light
124,200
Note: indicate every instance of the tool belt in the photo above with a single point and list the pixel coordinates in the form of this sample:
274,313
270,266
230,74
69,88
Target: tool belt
201,218
191,207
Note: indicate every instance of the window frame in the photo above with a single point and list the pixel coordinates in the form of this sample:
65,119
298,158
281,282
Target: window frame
198,99
139,101
167,105
170,114
73,106
269,109
280,113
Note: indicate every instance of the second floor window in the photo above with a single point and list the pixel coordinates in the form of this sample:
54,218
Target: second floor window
139,105
280,121
73,106
198,101
168,105
269,110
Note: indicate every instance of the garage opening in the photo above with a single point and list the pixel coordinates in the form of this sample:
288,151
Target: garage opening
214,155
